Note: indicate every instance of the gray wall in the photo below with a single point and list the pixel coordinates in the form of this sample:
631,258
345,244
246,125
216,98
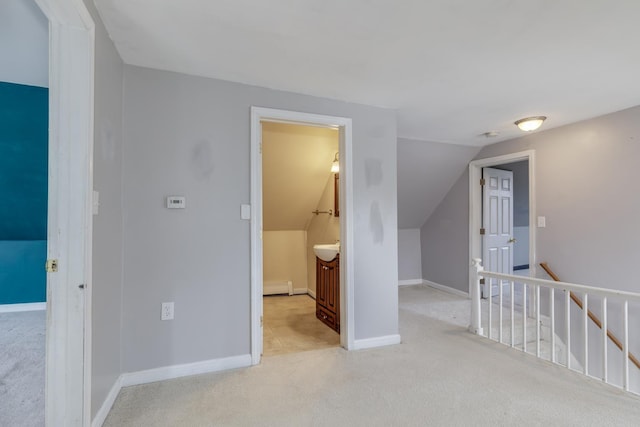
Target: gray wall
409,254
190,136
426,172
592,224
444,238
107,226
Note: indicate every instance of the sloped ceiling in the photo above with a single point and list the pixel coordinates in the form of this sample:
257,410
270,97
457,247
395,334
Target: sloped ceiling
452,69
24,43
296,166
426,173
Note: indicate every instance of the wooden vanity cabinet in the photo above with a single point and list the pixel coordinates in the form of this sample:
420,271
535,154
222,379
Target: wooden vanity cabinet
328,292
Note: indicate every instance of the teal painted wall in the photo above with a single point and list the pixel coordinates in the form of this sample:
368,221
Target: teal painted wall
23,190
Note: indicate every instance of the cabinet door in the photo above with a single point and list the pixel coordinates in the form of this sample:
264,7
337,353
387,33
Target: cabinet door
332,282
321,278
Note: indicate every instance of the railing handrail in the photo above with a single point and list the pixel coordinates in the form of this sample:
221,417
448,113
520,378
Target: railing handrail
591,315
604,292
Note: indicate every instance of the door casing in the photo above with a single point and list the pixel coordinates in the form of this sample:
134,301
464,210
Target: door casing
344,125
69,239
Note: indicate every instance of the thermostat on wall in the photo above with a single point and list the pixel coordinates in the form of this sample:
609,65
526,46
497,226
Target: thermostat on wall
175,202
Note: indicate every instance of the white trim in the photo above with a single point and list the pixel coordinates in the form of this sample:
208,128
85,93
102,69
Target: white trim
475,204
409,282
376,342
69,239
300,291
347,267
185,370
311,293
14,308
104,410
447,289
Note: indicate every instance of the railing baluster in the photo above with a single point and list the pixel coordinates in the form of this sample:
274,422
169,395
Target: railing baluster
552,305
500,310
490,299
512,289
585,333
625,344
537,320
567,325
605,341
524,317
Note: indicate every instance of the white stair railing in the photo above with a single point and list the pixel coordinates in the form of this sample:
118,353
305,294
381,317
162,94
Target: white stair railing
535,313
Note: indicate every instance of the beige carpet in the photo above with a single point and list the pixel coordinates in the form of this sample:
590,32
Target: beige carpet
440,375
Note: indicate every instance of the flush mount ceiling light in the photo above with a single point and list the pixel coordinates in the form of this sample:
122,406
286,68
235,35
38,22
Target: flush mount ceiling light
335,166
529,124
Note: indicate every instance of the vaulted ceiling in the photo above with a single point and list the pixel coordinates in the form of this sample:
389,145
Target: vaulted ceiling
452,69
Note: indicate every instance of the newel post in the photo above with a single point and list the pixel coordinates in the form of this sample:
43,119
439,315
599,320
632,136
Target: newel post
476,268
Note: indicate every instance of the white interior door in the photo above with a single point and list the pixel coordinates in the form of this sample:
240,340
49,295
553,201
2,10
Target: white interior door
497,223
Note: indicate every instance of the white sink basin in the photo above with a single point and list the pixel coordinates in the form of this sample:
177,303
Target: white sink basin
327,252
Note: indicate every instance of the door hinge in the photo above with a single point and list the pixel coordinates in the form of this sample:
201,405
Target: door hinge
51,266
482,231
482,281
261,148
482,182
261,321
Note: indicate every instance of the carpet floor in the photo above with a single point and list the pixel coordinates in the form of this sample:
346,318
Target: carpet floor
22,364
440,375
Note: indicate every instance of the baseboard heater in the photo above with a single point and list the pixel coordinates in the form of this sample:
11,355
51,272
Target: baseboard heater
277,287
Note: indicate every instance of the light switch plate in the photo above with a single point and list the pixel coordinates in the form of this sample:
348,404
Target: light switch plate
542,222
245,211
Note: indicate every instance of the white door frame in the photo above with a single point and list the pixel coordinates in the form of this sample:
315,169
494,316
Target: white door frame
475,205
69,239
259,114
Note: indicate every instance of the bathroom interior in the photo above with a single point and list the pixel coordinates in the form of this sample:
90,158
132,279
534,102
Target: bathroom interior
301,232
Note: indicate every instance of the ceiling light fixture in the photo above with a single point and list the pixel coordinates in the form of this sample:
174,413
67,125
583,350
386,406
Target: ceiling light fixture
335,166
529,124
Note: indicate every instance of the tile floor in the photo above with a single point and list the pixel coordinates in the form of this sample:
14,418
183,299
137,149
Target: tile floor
291,326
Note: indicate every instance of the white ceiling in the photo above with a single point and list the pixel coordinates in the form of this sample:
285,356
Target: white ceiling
453,69
296,168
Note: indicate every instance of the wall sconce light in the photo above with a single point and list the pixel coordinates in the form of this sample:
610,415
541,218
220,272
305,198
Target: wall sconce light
529,124
335,166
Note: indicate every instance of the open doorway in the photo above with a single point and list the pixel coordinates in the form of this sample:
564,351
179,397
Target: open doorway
344,187
527,242
299,211
505,221
24,102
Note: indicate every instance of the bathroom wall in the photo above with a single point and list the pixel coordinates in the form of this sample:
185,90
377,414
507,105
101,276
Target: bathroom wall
24,117
285,258
323,228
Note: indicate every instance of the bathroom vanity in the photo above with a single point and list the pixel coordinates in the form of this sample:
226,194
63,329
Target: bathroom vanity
328,292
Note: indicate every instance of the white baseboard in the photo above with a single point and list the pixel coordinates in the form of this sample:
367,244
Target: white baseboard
177,371
104,410
310,292
409,282
376,342
444,288
300,291
12,308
